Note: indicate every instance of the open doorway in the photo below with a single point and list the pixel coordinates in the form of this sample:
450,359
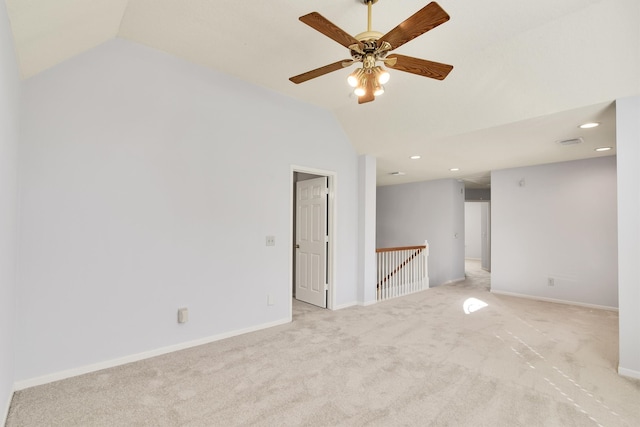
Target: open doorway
312,229
477,221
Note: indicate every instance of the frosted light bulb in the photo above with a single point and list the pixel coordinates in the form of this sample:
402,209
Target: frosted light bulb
384,77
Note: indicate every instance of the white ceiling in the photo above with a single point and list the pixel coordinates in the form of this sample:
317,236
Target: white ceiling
525,75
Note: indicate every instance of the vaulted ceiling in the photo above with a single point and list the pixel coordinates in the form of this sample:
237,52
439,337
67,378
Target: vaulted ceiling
525,75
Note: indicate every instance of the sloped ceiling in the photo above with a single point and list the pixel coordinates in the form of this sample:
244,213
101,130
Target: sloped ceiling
526,73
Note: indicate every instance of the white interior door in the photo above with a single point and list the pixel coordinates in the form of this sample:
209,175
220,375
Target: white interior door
311,241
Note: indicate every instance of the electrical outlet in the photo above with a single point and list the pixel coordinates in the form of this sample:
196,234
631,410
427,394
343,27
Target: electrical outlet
271,240
183,315
551,281
270,300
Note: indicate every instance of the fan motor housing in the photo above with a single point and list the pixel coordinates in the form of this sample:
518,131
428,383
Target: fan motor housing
368,35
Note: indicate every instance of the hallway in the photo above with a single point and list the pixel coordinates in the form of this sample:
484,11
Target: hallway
476,277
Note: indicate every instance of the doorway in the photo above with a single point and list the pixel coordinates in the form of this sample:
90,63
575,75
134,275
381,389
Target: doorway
312,229
477,218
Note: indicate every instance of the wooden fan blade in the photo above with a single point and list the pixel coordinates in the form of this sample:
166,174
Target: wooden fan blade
417,24
421,67
322,24
319,72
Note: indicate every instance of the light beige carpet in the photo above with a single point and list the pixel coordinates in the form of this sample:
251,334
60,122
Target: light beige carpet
417,361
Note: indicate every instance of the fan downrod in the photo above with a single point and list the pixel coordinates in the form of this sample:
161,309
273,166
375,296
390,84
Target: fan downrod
369,34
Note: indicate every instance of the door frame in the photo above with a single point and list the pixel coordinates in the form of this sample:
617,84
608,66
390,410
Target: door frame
332,181
485,226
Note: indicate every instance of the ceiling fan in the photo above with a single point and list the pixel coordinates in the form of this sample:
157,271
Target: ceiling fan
371,47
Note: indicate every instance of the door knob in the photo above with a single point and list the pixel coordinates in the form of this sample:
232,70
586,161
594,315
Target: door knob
297,246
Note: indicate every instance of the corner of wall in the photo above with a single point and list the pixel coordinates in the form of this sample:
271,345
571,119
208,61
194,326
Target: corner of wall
10,87
628,160
5,414
628,373
366,229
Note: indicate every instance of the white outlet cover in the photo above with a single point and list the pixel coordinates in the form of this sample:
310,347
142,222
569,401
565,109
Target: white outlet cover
183,315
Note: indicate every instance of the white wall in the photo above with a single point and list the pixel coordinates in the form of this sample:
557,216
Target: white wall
485,235
150,184
628,147
367,270
9,103
409,214
561,223
472,230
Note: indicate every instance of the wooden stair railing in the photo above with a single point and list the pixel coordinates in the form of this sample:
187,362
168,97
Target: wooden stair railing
401,270
417,249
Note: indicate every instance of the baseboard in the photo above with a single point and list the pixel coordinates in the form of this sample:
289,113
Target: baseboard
347,305
557,301
5,413
57,376
367,303
629,373
452,281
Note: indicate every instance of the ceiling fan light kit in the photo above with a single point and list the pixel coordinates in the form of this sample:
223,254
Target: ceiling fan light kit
372,47
363,78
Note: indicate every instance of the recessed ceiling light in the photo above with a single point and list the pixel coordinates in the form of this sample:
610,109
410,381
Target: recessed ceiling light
396,173
414,157
589,125
603,149
454,169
